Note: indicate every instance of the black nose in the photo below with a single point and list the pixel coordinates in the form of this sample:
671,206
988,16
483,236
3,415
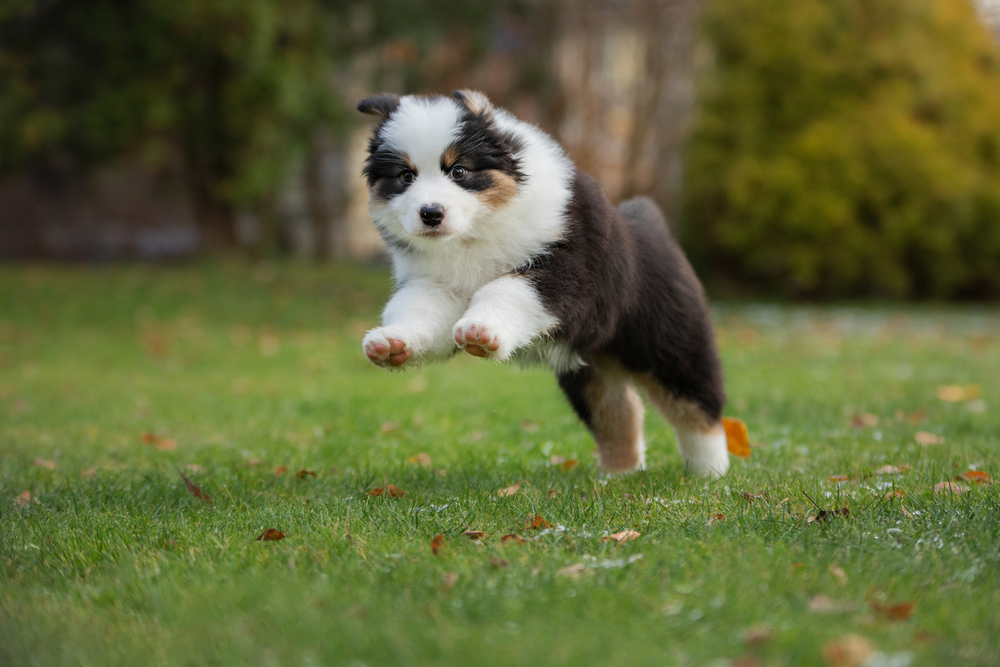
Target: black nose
432,214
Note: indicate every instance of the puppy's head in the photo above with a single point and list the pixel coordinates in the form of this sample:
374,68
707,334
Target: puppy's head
437,166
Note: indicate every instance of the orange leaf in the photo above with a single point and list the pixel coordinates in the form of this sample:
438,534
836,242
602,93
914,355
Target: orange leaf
302,474
375,492
24,499
280,470
737,437
148,438
864,420
437,544
423,459
839,478
536,522
509,491
516,539
567,465
394,491
193,488
623,536
474,534
166,444
976,476
848,651
896,612
271,535
45,463
721,518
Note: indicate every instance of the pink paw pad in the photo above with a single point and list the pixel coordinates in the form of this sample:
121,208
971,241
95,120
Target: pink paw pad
477,341
395,354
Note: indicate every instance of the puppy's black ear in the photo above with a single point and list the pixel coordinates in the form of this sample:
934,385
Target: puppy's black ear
381,105
474,101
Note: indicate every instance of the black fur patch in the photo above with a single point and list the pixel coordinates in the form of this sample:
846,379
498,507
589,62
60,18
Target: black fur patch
622,288
384,168
382,104
479,148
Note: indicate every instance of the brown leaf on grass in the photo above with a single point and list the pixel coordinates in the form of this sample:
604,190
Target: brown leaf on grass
826,515
976,477
389,489
848,651
912,418
716,518
623,536
925,438
166,445
437,544
949,487
895,612
512,539
163,444
897,493
839,478
864,420
44,463
498,563
750,497
572,571
280,470
253,461
552,494
23,499
888,470
737,437
449,580
568,465
475,534
536,522
421,459
509,491
839,573
271,535
821,604
906,512
194,489
953,393
302,474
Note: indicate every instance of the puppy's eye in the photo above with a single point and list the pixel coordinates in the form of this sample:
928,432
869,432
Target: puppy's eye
457,172
407,176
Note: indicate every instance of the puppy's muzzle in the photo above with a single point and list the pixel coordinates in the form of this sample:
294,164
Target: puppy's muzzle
432,214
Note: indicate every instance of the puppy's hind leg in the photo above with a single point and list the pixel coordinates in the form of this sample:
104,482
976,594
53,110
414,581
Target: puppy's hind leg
606,401
700,435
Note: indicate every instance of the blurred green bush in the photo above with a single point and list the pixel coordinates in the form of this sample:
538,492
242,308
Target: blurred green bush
848,148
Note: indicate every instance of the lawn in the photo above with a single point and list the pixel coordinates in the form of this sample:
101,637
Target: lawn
114,380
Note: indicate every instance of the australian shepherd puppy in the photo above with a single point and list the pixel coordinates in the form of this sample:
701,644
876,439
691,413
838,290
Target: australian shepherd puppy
501,248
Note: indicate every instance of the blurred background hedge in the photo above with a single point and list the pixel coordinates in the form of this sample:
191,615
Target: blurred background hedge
848,148
801,147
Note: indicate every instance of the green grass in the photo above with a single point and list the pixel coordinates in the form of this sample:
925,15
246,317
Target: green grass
237,363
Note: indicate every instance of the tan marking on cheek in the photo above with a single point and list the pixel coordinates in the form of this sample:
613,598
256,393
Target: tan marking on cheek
501,192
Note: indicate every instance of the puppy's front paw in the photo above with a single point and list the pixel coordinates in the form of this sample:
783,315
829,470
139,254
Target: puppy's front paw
386,348
479,340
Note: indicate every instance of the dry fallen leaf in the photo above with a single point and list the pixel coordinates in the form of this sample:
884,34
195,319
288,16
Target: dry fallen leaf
864,420
839,573
449,580
750,497
280,470
848,651
194,489
509,491
888,470
552,494
302,474
976,477
949,487
572,571
623,536
512,539
163,444
953,393
839,478
913,418
821,604
44,463
422,459
536,522
271,535
437,544
716,518
925,438
906,512
568,465
897,493
895,612
737,437
389,489
24,499
475,534
498,563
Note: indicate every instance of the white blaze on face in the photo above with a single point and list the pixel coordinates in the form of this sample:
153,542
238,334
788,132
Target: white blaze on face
422,129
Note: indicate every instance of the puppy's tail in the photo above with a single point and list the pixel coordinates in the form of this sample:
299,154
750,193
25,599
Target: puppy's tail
643,211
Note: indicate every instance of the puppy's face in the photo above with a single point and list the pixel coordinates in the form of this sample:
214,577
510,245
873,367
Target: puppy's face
437,167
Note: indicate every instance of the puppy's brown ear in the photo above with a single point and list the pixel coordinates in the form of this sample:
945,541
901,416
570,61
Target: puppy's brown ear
381,105
474,101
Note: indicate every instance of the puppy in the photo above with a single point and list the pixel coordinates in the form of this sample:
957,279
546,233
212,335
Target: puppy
501,248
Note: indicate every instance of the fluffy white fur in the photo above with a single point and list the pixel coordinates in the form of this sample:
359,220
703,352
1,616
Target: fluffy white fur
704,453
463,264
